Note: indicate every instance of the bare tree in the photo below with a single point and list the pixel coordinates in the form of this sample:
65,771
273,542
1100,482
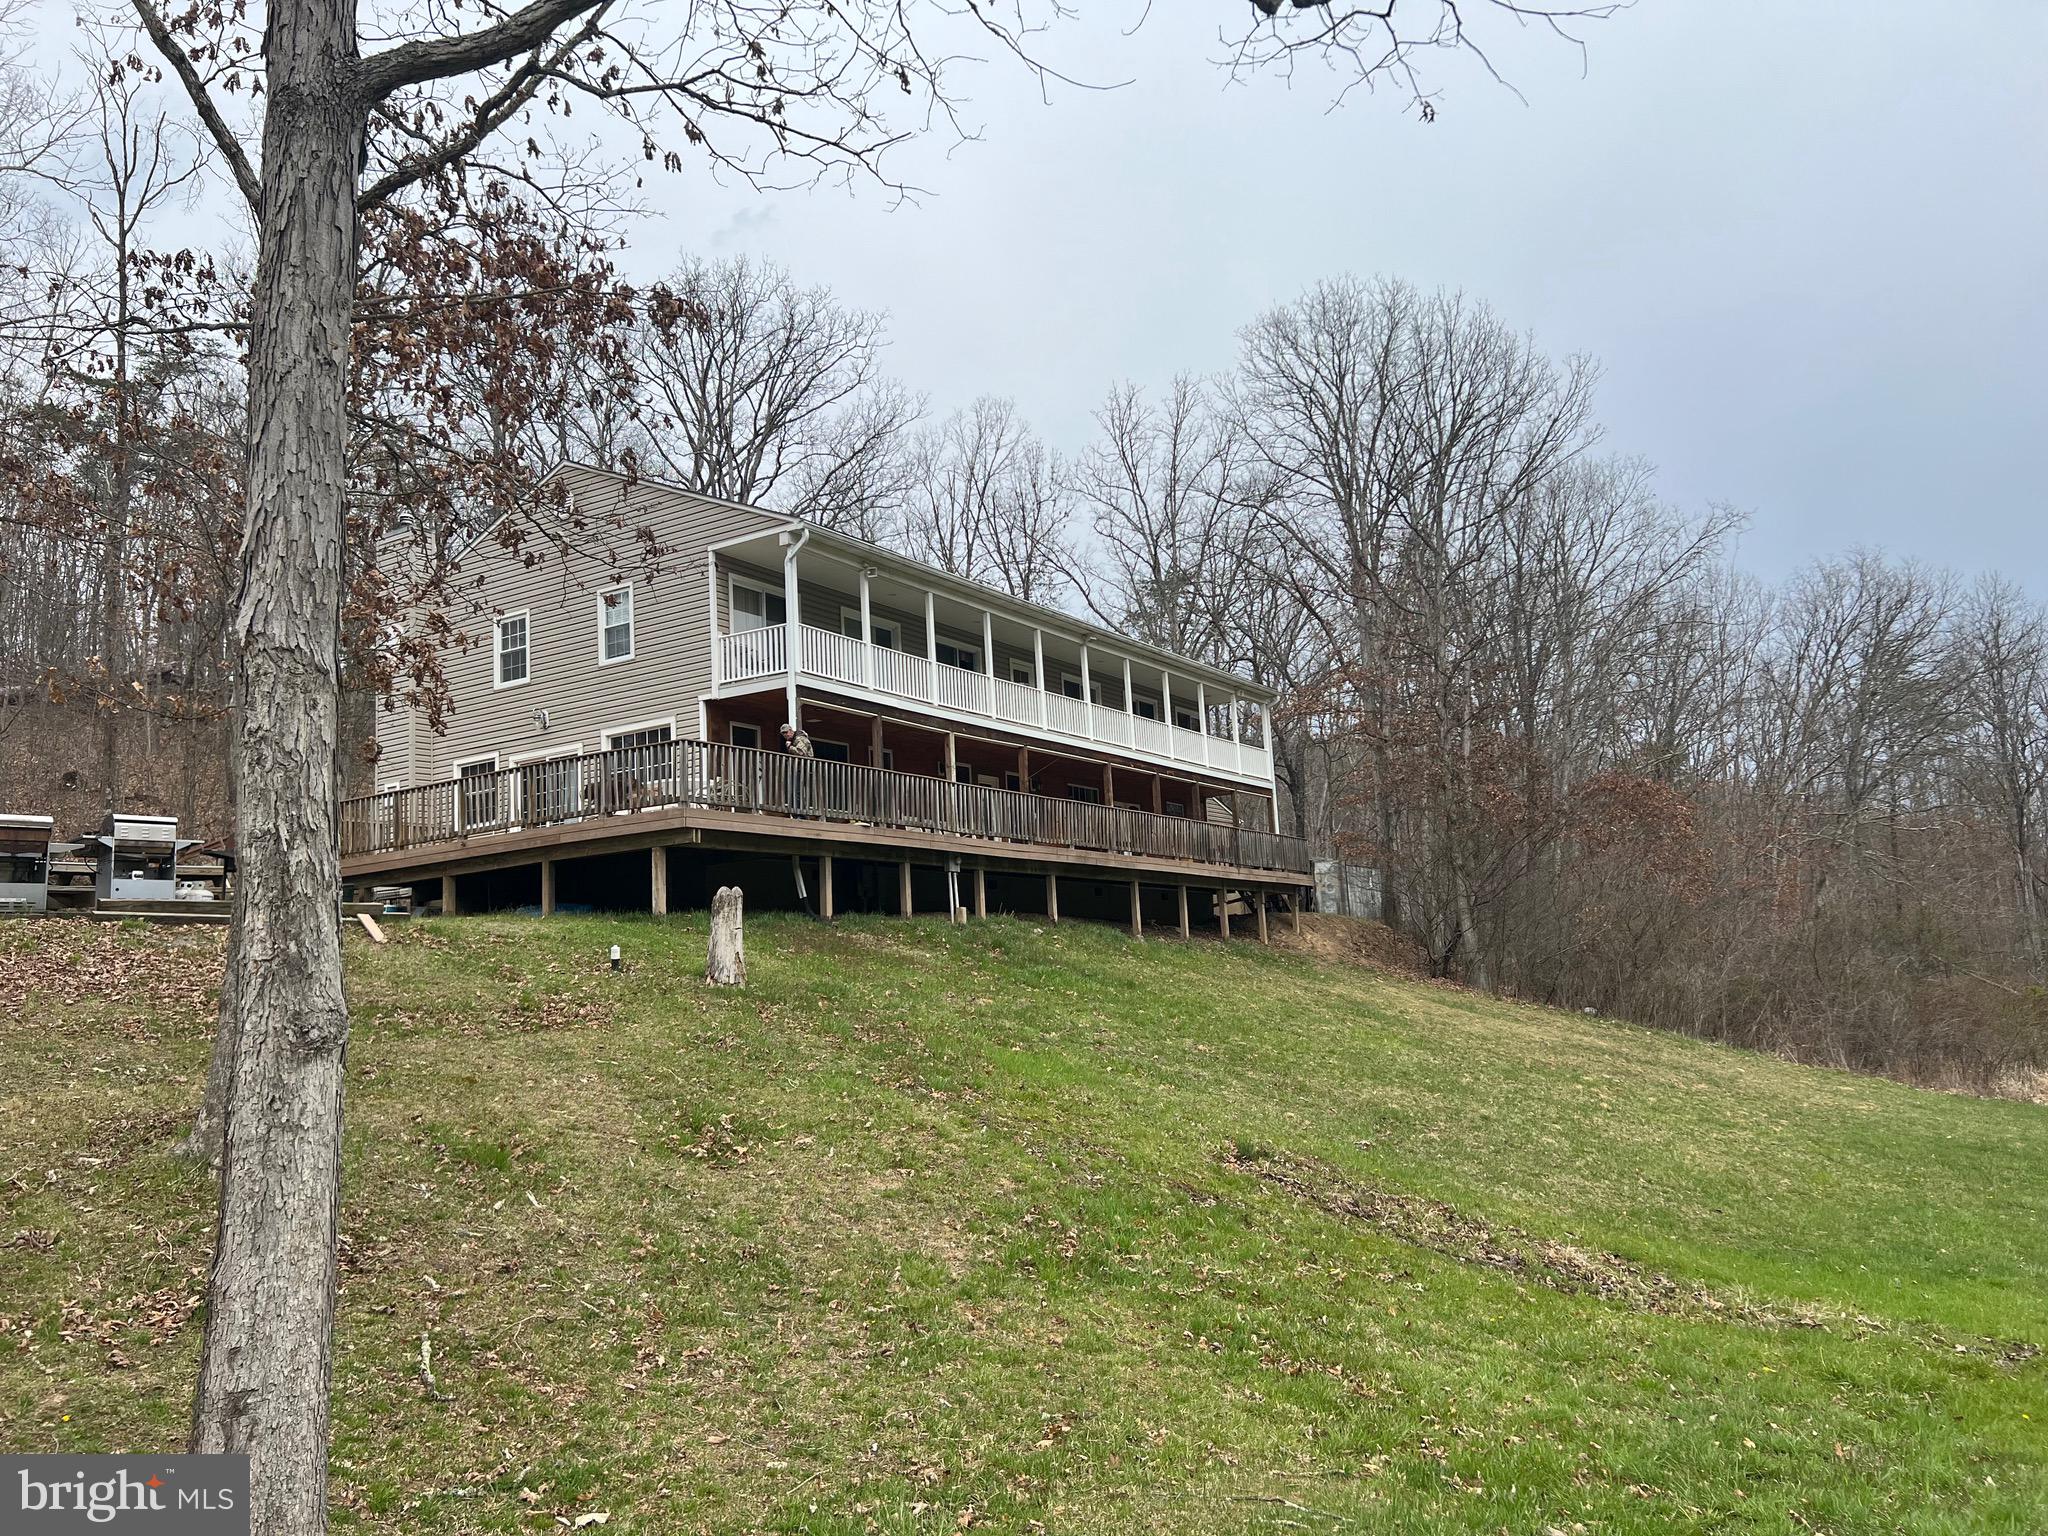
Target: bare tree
987,500
750,86
1172,493
765,392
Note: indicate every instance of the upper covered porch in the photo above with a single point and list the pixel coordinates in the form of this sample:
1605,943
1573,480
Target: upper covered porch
897,633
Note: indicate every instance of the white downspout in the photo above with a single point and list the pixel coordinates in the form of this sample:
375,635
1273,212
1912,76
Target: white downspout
793,541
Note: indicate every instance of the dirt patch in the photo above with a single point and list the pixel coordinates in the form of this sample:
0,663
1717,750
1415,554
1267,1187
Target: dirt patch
1352,941
1566,1267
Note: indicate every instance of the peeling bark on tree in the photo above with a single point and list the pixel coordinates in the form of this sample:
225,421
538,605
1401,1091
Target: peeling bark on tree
266,1362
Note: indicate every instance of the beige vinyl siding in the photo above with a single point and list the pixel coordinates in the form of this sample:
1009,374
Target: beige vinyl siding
670,668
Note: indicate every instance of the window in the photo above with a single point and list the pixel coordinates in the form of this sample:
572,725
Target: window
755,606
615,625
831,751
1070,685
889,758
1020,672
1145,708
639,736
1186,719
477,791
746,735
513,654
881,631
1013,780
1176,808
1087,793
963,773
965,657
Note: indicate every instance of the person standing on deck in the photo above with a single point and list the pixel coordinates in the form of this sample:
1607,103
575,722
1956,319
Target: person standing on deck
797,743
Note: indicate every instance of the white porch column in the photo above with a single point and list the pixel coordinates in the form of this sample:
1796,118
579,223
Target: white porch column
988,657
1202,717
931,646
1166,712
792,634
711,614
1087,691
867,632
1038,669
1130,701
1237,732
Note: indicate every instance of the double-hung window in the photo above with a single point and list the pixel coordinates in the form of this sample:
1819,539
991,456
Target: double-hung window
881,631
965,657
514,658
615,625
755,606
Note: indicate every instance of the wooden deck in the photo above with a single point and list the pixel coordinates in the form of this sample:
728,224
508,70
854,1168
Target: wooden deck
747,799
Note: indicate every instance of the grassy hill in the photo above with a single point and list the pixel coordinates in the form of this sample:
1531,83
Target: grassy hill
1036,1229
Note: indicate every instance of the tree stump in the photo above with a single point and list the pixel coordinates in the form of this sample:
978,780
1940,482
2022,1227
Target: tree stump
728,966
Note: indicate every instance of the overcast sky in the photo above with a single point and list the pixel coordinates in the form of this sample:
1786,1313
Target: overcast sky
1808,243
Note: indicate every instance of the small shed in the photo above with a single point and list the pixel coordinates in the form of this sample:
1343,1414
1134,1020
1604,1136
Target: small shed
25,862
138,858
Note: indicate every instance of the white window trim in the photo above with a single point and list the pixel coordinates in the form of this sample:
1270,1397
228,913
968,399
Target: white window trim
743,725
733,582
461,763
612,733
632,625
960,647
875,622
1022,674
545,755
498,649
1144,709
1090,689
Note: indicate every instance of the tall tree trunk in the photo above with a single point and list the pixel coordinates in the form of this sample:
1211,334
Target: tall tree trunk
267,1358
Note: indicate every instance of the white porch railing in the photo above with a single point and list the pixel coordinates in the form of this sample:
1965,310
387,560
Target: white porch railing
753,653
1016,702
906,676
838,658
827,653
1067,716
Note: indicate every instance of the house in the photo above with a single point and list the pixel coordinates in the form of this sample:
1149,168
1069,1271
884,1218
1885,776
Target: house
614,738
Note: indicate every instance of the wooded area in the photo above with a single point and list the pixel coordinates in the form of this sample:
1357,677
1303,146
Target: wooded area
1594,763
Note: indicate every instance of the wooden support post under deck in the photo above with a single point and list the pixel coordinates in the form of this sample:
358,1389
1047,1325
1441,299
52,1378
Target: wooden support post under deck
903,889
1052,897
1223,913
875,742
1024,769
1108,784
952,758
1294,911
1137,911
547,887
449,905
1259,906
980,891
825,886
1183,893
657,881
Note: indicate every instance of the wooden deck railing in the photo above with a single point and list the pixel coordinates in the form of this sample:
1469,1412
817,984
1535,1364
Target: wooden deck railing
748,780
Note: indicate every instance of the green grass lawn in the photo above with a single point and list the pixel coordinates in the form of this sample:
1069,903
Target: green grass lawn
1033,1228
